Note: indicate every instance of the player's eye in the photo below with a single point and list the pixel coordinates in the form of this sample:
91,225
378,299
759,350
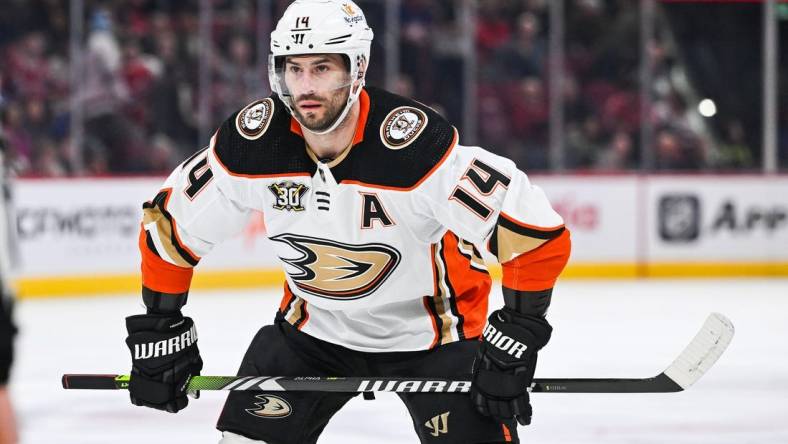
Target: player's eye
294,69
322,68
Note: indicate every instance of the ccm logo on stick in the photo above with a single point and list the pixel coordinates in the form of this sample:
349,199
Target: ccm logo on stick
505,343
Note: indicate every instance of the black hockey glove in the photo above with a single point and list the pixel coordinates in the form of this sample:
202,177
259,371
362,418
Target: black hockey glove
164,358
7,333
505,364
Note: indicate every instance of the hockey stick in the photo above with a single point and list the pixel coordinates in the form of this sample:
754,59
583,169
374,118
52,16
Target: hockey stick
704,350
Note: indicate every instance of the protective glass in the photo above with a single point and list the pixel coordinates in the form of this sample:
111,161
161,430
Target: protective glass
293,80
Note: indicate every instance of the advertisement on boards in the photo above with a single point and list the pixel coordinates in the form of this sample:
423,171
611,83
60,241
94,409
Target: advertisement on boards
91,227
738,219
601,212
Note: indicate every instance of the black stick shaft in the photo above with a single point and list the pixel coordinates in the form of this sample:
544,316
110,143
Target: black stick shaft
658,384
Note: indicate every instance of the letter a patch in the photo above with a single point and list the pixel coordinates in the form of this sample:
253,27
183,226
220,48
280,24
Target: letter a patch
372,210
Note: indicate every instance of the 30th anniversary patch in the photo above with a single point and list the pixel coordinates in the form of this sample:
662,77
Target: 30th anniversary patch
402,126
252,121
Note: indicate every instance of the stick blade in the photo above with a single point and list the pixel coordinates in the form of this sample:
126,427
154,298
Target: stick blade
704,350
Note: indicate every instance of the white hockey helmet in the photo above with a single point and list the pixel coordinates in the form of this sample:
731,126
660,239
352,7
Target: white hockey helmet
321,27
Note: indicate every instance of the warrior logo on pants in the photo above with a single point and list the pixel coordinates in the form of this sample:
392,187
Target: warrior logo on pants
335,270
438,424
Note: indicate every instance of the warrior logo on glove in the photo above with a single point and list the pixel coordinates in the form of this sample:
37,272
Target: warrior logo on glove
167,346
503,342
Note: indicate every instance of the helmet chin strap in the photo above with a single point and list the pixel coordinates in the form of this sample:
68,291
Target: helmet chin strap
352,98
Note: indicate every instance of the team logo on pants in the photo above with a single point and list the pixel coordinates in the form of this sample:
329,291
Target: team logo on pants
336,270
271,406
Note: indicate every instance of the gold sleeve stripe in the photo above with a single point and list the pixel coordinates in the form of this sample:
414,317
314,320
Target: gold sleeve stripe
511,244
163,232
155,213
298,314
468,250
513,224
511,238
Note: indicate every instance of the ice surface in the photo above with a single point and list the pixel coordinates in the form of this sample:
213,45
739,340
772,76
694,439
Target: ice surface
602,329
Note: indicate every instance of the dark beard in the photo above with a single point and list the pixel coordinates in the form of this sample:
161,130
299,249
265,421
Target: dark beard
320,125
330,117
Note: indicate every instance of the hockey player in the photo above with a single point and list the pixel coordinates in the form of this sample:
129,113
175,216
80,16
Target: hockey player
7,332
377,214
8,433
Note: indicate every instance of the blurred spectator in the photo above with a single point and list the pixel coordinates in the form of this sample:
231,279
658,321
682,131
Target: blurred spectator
524,55
174,100
104,95
733,152
618,155
493,30
584,140
493,122
529,109
139,73
677,151
28,68
141,94
239,78
404,86
18,139
416,21
48,162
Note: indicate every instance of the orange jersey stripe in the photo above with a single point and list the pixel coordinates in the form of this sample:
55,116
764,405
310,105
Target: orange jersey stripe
507,435
539,268
287,298
160,275
429,173
471,287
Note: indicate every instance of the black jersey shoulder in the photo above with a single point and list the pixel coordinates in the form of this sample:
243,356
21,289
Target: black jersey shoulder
257,141
403,141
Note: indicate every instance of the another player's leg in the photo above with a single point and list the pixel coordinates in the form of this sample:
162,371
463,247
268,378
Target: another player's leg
450,417
7,332
285,417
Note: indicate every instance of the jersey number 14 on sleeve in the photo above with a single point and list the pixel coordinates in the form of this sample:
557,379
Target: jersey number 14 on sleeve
485,179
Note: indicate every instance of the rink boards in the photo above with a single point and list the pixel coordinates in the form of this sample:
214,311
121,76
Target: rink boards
80,235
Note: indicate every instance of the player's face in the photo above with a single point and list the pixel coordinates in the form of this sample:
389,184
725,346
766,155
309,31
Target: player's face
319,85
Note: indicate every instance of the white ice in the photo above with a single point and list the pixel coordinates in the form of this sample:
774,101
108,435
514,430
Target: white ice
602,329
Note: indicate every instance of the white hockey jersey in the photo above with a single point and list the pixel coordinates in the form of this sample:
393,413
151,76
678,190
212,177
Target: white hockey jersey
379,246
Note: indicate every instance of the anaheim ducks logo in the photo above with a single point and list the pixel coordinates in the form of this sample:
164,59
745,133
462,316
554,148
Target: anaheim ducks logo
402,126
338,271
271,406
252,121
